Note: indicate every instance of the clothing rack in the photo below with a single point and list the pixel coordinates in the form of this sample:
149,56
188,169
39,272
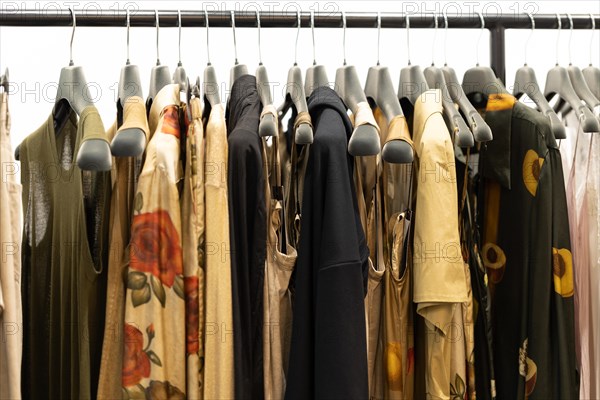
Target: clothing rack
496,24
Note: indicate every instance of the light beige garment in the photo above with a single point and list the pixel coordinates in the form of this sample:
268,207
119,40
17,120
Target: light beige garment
438,264
154,356
11,316
440,285
124,179
192,225
218,333
277,298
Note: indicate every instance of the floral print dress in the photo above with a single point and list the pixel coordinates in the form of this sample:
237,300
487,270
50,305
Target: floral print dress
154,357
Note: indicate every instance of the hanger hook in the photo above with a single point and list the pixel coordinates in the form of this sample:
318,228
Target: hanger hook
157,36
445,36
407,16
378,35
570,36
72,36
559,21
592,37
234,41
530,35
179,64
312,27
344,28
207,41
259,49
480,34
128,26
435,22
297,36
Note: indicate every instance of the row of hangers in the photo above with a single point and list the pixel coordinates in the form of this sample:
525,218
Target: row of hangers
575,89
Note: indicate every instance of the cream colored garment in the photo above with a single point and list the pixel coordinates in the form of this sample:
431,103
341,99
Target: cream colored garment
154,356
581,167
218,333
123,182
192,221
277,298
440,285
11,316
364,116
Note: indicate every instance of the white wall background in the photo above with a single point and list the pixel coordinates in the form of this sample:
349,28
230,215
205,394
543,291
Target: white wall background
36,55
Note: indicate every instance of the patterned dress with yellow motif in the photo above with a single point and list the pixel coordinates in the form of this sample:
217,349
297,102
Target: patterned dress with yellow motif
526,251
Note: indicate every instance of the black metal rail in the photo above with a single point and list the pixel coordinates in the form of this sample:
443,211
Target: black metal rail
497,24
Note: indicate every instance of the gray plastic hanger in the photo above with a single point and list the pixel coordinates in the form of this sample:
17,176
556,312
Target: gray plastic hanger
211,84
160,76
365,139
268,124
481,80
412,81
435,79
73,93
559,84
132,141
591,73
380,90
238,69
296,96
526,83
180,76
316,75
577,78
480,129
4,80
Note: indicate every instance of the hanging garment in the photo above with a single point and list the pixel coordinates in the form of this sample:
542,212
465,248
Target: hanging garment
440,276
527,254
398,336
481,369
593,218
248,232
11,315
328,356
154,332
393,376
193,245
375,290
579,156
367,174
64,261
218,341
293,167
124,174
277,300
574,152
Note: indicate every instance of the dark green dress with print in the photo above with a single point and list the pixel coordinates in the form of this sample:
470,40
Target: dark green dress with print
63,281
526,251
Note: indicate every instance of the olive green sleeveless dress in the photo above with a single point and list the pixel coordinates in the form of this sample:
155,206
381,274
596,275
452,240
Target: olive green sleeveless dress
63,280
